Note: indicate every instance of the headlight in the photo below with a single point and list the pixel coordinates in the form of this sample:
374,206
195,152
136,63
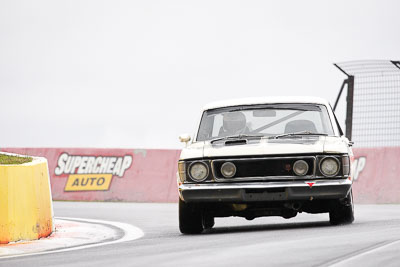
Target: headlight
329,166
300,168
228,169
198,171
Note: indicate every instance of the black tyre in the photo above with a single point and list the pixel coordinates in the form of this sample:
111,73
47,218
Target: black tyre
208,222
342,211
190,218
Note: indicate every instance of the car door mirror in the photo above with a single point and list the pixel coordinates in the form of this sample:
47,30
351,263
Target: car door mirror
185,138
350,143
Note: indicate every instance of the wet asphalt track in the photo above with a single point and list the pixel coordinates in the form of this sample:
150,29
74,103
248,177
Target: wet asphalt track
306,240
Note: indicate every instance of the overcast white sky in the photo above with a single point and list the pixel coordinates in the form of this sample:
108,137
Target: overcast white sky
137,73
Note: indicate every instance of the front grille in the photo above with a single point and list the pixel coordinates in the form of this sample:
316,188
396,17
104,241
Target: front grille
263,167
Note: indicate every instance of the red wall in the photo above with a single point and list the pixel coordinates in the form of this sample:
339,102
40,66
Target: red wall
376,177
151,176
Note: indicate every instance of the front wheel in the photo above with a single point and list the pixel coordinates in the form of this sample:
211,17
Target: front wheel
190,218
343,211
208,222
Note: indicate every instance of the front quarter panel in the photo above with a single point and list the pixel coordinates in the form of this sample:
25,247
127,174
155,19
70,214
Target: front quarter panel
335,144
193,151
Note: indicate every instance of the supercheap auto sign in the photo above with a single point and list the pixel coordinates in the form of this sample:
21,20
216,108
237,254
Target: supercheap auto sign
91,173
110,174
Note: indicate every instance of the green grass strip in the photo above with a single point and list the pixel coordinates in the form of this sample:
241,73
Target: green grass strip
6,159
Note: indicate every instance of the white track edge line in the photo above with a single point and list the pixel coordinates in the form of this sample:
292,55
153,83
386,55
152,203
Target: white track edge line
130,233
339,263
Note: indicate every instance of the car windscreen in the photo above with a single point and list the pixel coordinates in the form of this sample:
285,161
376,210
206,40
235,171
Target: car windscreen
265,120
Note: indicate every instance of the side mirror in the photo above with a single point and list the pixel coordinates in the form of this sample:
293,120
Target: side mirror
350,143
184,138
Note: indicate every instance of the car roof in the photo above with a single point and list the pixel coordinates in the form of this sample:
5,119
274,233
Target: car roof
266,100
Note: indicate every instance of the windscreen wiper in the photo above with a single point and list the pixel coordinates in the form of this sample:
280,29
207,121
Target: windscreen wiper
296,133
238,136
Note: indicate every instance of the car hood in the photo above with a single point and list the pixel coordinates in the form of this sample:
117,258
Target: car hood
282,146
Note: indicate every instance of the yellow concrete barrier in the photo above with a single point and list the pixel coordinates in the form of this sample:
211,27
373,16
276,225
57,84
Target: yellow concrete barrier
26,209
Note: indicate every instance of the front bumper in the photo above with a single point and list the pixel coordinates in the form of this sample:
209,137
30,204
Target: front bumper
265,191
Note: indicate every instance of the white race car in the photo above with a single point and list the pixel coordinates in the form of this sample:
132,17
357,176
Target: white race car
265,157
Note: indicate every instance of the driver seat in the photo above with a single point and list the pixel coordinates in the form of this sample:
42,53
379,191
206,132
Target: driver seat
299,126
